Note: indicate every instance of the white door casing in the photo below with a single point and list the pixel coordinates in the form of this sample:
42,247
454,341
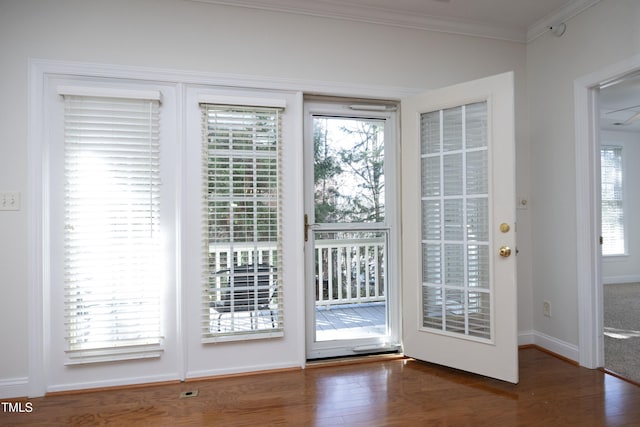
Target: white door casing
588,259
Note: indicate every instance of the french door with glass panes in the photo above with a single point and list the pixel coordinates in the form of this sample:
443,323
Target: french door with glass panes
458,221
350,231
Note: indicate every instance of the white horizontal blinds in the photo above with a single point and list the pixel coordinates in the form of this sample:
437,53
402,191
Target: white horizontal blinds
456,292
612,201
112,228
242,292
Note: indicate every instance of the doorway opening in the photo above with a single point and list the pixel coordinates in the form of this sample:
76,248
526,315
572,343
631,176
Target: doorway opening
350,227
588,206
619,125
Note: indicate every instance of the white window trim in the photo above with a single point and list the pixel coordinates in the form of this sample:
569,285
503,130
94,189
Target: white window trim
46,155
104,92
242,101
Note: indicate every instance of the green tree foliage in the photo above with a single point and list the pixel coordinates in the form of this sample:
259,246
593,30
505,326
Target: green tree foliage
349,170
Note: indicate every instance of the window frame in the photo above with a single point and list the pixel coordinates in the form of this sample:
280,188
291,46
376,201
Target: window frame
50,368
239,271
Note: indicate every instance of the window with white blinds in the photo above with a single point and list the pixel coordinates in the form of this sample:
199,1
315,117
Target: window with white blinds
242,290
112,273
613,230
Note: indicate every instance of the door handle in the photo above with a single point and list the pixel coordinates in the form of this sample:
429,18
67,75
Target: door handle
307,226
505,251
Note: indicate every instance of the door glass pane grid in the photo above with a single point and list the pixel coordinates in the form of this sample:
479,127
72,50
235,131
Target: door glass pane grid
431,176
430,129
453,220
477,181
455,216
476,125
453,174
432,307
432,263
453,128
478,266
455,309
431,219
479,314
477,224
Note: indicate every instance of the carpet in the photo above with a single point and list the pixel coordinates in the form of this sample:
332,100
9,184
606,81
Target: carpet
622,330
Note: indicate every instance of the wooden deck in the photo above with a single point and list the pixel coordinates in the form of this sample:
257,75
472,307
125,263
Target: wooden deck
351,321
345,321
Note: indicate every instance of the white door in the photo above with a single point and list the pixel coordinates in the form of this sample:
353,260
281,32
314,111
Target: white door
458,227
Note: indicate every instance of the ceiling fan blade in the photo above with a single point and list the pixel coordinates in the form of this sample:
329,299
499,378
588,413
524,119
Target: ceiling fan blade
632,119
623,109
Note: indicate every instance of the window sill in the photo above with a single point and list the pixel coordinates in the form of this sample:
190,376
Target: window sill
614,258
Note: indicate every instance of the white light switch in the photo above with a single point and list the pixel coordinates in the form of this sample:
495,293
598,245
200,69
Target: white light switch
10,201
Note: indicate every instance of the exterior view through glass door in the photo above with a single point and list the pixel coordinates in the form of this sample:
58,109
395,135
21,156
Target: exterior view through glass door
348,229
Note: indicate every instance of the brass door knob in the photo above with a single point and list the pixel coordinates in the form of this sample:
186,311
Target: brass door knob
504,251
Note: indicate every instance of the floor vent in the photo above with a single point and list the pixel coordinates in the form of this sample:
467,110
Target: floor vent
190,393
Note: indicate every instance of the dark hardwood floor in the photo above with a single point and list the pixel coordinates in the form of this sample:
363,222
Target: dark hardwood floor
400,392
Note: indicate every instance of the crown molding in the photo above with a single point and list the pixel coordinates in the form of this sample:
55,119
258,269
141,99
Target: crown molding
376,15
561,15
382,16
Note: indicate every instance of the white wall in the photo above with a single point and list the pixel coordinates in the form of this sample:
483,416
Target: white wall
605,34
622,269
178,34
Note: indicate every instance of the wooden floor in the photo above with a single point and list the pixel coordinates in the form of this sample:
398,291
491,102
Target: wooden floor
552,392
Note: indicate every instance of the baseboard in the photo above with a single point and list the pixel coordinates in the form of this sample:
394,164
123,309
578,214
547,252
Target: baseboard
526,338
14,387
550,344
245,370
620,279
100,385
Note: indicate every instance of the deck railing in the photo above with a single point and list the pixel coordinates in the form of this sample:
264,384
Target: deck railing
347,270
350,270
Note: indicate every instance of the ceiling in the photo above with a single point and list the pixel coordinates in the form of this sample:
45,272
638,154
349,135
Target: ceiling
514,20
620,105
